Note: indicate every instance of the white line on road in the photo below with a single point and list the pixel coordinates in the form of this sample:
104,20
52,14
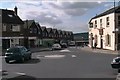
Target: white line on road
74,56
65,50
50,56
20,73
55,56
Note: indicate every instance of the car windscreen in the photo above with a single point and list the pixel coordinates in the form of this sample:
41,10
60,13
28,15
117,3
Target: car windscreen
13,50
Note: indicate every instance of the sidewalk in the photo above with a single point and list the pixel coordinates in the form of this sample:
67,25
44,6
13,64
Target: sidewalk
86,48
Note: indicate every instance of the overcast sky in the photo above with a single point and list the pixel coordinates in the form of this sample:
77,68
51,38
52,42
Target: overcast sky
65,15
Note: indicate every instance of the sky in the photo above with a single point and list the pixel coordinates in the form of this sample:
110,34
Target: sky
69,15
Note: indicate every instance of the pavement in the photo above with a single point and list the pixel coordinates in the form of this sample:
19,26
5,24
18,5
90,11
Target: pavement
86,48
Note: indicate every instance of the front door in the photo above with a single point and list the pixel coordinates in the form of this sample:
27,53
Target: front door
101,43
5,43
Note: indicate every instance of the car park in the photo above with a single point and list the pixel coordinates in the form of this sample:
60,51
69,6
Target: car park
17,54
56,46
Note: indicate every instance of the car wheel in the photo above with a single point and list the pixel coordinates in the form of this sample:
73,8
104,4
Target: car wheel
118,70
30,57
22,59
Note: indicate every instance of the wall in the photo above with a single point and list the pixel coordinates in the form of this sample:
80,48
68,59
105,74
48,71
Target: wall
107,30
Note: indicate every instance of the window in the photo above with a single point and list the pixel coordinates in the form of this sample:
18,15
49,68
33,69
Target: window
100,22
118,20
118,23
108,40
39,32
95,23
95,38
35,30
107,22
10,15
15,28
118,17
4,27
91,25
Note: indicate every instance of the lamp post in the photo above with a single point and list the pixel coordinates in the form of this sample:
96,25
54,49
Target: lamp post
26,35
116,38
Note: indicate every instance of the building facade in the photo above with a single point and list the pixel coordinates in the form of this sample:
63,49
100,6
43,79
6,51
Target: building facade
104,29
27,33
11,28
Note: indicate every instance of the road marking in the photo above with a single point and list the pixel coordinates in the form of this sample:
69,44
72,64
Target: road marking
55,56
74,56
20,73
65,50
50,56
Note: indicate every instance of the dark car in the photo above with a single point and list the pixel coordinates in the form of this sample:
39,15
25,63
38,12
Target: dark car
63,45
116,63
17,53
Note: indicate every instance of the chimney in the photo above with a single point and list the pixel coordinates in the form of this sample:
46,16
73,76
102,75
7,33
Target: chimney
15,10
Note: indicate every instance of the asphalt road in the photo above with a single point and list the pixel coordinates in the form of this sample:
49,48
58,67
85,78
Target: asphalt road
67,63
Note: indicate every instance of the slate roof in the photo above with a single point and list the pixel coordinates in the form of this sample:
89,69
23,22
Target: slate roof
43,28
49,30
112,10
59,31
38,26
64,32
9,17
54,30
28,22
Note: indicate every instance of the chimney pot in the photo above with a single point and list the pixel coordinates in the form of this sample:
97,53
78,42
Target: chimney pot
15,10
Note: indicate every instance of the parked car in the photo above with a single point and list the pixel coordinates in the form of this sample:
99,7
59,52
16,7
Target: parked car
118,76
116,63
63,45
72,43
56,46
17,53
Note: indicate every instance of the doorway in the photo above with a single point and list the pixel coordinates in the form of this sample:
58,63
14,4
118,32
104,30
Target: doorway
101,43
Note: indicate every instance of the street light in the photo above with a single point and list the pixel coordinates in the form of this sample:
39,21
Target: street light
26,35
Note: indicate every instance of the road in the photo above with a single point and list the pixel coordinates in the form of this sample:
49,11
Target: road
67,63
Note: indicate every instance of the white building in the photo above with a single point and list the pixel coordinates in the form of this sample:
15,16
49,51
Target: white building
104,29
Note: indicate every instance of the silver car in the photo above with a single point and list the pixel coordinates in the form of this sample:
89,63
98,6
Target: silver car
56,46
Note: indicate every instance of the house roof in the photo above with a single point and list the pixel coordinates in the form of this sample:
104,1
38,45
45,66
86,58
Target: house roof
38,26
9,17
63,32
59,31
43,28
49,30
112,10
28,23
54,30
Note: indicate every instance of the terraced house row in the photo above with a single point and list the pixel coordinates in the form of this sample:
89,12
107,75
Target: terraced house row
28,33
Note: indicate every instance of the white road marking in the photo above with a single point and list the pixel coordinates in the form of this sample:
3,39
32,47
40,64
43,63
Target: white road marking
65,50
74,56
20,73
55,56
50,56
